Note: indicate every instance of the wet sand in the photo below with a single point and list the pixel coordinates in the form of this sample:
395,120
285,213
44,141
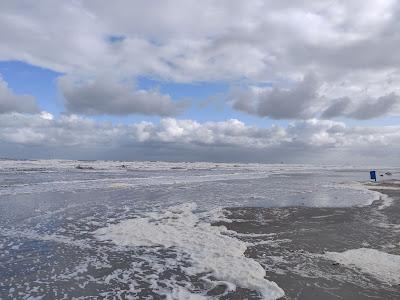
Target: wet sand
291,243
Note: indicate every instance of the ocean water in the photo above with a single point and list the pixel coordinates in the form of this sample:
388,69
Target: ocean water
143,229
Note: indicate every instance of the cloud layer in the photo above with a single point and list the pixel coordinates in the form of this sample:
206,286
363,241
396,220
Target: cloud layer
348,45
304,141
304,61
191,40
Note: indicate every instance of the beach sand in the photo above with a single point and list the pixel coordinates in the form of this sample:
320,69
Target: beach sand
294,245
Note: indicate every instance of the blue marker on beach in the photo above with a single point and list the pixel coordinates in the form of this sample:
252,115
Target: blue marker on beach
372,174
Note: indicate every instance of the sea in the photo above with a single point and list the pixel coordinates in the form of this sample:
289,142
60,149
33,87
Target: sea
146,230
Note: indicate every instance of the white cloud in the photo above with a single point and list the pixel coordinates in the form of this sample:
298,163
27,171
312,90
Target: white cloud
206,40
347,44
304,141
46,115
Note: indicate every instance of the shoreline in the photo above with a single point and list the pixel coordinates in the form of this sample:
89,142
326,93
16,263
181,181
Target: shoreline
297,246
306,251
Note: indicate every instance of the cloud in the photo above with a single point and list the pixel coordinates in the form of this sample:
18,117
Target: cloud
346,44
207,40
278,103
10,102
104,96
171,139
363,110
373,108
337,108
306,99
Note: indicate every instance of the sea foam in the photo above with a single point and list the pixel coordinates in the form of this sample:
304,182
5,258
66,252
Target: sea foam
383,266
210,248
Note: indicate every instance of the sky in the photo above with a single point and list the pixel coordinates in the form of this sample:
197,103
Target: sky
183,80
